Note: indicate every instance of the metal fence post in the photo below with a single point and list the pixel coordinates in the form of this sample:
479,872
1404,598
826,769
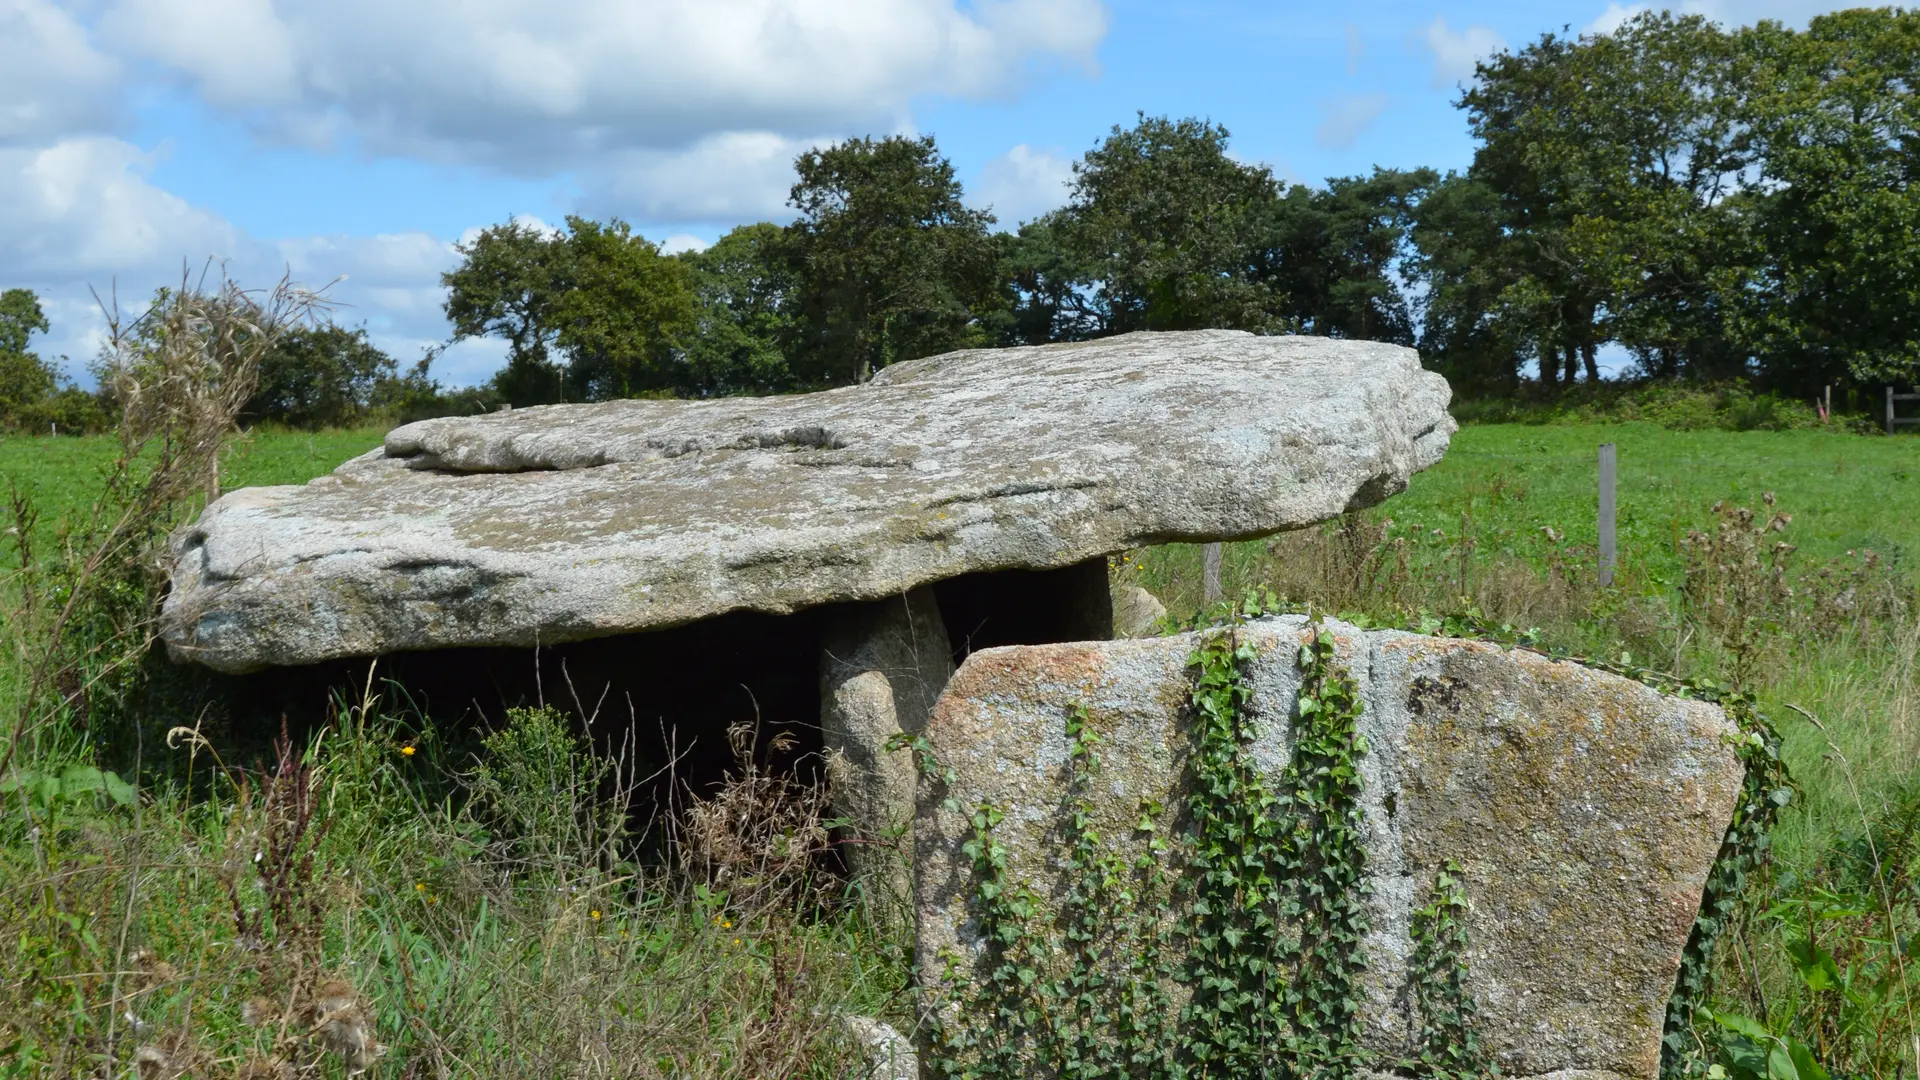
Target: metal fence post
1609,552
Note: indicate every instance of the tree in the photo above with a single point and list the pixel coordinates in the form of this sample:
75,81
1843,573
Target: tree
1162,232
887,263
742,288
624,313
26,381
319,376
1614,165
507,284
1336,254
1052,285
1518,103
593,313
1460,242
1835,122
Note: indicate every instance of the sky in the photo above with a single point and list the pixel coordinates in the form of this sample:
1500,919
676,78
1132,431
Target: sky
353,143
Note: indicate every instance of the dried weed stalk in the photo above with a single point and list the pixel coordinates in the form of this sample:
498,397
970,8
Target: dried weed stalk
179,374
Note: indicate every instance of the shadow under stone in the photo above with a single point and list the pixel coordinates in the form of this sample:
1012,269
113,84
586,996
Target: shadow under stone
668,697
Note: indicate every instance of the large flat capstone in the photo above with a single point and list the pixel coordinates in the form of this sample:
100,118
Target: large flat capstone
568,522
1583,811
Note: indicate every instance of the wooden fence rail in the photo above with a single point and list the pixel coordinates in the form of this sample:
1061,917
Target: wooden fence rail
1894,421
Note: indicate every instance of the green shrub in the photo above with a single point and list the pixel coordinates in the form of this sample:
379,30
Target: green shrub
1675,406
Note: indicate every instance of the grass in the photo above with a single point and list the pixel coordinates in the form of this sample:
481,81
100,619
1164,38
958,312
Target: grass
476,925
1503,486
61,473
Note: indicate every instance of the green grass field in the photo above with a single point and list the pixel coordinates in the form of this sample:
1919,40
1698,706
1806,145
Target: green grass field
1846,492
1530,493
61,474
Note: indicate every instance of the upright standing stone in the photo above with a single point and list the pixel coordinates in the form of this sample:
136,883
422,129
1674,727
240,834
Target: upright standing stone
1583,810
882,666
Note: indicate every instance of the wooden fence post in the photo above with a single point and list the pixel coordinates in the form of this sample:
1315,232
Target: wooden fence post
1609,552
1210,573
1889,408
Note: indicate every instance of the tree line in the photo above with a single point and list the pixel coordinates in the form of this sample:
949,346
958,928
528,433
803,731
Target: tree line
884,261
1720,203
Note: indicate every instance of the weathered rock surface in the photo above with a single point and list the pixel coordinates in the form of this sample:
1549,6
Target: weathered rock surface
887,1054
576,521
881,670
1135,611
1585,811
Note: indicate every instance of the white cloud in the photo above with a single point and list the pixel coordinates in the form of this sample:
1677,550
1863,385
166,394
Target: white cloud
391,281
81,215
665,111
1344,117
1611,19
237,52
1022,184
52,80
518,84
82,206
680,243
732,176
1455,52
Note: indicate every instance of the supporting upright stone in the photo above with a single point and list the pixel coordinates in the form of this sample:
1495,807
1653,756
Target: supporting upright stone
882,666
1578,813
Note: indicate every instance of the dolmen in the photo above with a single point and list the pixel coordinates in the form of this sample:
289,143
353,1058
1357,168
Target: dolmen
540,526
1285,846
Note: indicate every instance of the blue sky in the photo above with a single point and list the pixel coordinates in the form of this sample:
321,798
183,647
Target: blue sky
364,138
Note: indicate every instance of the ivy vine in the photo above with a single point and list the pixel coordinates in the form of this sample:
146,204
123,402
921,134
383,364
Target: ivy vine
1766,791
1328,864
1261,936
1449,1049
1240,855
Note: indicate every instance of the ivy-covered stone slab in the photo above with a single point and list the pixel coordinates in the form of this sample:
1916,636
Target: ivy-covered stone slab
568,522
1507,874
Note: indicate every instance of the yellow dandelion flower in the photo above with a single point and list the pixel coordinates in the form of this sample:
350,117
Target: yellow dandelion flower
736,941
419,886
406,751
595,913
433,899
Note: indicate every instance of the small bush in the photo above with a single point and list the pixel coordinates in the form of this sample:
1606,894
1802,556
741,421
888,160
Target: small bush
1675,406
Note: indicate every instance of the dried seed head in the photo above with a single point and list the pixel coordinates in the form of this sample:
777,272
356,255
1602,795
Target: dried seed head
259,1012
332,996
340,1023
152,1063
